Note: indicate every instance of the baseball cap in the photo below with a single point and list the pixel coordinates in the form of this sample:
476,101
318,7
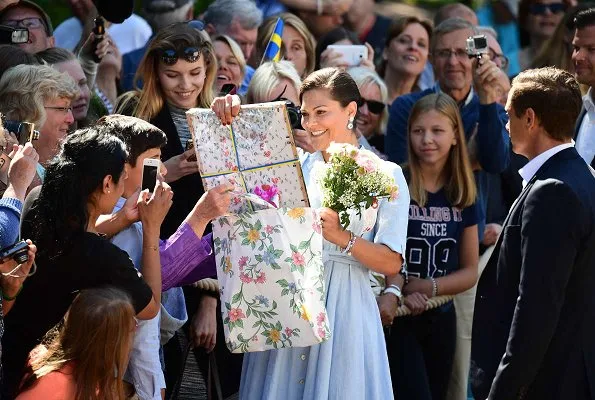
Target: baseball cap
163,6
33,6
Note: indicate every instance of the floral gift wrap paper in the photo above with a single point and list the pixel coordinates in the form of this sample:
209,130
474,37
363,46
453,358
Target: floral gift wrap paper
256,151
270,272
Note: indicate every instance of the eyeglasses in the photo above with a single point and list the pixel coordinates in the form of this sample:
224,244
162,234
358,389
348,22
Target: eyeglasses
171,56
29,23
64,110
541,9
196,24
445,54
375,107
495,57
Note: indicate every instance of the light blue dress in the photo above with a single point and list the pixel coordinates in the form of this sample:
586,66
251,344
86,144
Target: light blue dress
353,363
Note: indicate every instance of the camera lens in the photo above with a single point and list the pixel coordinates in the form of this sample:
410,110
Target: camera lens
295,118
21,256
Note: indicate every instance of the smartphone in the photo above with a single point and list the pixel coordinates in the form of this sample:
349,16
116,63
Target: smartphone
150,170
352,55
228,88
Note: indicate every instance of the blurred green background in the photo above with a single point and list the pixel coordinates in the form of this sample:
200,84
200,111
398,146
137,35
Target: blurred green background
58,10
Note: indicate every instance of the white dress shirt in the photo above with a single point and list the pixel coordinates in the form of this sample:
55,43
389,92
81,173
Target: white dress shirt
533,166
585,140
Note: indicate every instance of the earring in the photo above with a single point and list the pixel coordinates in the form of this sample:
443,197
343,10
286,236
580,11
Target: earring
350,124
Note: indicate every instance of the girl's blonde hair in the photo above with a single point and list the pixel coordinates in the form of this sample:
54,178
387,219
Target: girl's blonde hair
96,337
460,183
146,103
265,32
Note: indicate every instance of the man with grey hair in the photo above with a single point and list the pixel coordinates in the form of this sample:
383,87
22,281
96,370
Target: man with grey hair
238,19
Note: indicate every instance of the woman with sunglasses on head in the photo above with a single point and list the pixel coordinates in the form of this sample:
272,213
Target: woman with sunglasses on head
538,20
372,112
353,363
86,357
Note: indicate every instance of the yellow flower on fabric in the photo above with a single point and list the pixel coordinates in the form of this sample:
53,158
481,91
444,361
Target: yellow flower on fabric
227,265
296,213
253,235
275,335
305,313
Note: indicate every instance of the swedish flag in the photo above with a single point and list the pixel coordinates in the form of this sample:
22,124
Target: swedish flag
273,50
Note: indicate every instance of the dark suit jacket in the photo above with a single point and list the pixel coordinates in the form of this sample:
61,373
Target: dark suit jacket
534,322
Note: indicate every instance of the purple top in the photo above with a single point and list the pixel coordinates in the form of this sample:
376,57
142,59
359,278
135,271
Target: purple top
185,258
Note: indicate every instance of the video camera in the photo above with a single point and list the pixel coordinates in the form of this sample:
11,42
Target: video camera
477,46
10,35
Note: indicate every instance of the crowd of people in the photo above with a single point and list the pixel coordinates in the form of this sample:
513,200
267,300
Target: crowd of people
489,247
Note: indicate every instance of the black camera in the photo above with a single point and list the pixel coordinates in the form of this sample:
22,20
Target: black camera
477,46
10,35
24,131
295,115
18,252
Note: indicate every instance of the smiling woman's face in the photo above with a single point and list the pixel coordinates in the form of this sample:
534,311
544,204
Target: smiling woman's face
228,70
182,82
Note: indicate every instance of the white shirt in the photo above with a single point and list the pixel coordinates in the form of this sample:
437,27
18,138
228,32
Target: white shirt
533,166
130,35
585,140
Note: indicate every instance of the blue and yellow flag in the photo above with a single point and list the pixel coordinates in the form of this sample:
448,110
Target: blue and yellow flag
273,50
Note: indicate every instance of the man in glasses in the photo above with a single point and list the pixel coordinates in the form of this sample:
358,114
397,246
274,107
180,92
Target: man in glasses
583,57
26,14
475,86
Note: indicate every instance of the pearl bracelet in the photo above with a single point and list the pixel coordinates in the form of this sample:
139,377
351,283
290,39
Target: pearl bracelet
434,286
352,239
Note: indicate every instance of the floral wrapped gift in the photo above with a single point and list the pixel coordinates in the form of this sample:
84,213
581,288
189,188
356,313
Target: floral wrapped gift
269,267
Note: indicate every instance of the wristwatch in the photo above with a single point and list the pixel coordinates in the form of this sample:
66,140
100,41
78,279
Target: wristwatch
394,289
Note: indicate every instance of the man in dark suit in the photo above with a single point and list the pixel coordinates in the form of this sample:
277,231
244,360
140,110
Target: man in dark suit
534,322
583,58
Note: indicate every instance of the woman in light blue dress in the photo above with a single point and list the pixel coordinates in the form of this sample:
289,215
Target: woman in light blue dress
353,363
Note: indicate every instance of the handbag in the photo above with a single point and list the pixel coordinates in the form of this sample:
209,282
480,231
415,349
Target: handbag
270,273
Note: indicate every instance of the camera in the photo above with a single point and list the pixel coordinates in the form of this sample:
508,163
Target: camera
476,46
24,131
18,252
10,35
295,115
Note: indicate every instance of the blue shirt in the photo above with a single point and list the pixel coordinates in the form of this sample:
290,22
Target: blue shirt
434,234
10,219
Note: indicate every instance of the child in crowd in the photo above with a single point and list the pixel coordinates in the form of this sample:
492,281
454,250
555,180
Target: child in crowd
442,250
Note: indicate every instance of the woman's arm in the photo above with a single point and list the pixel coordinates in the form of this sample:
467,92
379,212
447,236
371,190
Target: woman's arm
460,280
377,257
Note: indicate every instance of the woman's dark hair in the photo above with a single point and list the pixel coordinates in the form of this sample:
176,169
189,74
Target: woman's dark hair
60,212
339,83
11,56
333,37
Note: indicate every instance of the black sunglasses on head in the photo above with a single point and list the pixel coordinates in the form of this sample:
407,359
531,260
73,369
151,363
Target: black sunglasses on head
541,9
375,107
171,56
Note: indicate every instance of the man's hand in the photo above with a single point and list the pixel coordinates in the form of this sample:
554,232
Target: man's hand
490,81
490,234
204,324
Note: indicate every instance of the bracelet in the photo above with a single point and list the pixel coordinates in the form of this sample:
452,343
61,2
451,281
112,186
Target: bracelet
11,298
352,239
434,286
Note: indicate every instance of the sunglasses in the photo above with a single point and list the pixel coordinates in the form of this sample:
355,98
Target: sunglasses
171,56
541,9
375,107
